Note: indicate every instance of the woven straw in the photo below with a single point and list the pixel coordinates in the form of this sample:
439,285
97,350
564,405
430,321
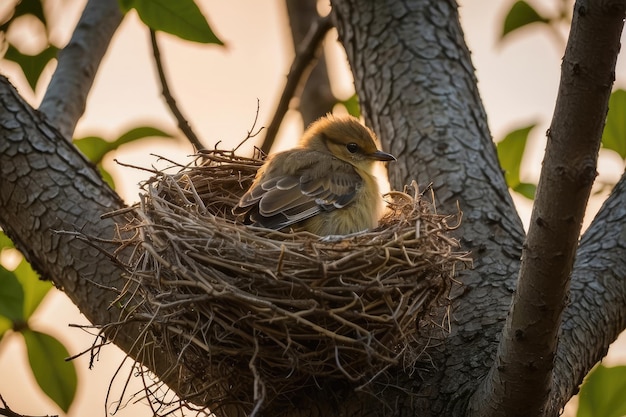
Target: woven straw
267,315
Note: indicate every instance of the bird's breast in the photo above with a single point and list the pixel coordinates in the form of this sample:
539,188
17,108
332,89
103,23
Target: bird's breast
361,214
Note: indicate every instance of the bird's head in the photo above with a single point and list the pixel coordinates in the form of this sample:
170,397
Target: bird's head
346,139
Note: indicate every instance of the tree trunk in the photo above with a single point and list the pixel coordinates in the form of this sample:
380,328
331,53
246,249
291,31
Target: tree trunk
417,89
416,84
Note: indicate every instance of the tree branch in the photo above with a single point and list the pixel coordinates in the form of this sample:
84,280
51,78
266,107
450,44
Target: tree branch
49,193
417,89
520,379
304,57
5,410
317,98
596,312
66,96
183,124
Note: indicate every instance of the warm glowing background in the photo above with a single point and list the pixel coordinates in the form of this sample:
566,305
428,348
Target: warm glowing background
218,89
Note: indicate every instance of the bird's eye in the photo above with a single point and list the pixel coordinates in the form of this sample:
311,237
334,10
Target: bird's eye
352,147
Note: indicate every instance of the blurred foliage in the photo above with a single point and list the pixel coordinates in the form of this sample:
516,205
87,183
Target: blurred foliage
181,18
32,65
512,147
352,105
602,393
614,135
523,14
56,376
511,153
520,15
95,148
21,292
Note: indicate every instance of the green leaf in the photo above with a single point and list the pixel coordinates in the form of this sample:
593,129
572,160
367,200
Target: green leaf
5,242
614,135
521,14
5,325
526,189
602,393
33,7
139,133
24,7
11,296
32,65
106,176
56,377
352,105
510,153
35,289
182,18
95,147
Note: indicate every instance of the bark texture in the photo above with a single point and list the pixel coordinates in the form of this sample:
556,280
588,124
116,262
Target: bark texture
417,89
528,344
415,81
48,192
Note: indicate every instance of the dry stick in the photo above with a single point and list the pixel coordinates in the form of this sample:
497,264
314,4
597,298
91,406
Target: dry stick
183,124
304,58
5,410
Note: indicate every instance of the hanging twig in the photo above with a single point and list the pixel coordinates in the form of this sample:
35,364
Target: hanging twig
6,411
183,124
304,57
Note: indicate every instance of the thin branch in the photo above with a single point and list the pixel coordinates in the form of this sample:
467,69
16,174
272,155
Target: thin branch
304,58
183,124
316,97
5,410
66,96
520,379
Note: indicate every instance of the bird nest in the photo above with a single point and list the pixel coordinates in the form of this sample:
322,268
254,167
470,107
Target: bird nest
258,316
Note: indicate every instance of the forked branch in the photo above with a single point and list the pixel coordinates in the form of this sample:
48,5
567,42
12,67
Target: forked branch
519,381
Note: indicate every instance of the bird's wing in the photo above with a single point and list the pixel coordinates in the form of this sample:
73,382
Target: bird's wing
298,188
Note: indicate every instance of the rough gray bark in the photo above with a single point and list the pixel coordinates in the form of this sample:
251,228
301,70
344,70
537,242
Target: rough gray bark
417,88
416,84
49,191
596,309
47,186
529,340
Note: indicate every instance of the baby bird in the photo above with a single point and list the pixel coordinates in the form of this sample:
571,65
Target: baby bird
325,185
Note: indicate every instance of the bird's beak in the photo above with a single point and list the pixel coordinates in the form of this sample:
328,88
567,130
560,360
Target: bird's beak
382,156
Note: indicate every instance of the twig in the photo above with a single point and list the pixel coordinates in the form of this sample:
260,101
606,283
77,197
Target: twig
304,58
5,410
316,97
183,124
251,132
